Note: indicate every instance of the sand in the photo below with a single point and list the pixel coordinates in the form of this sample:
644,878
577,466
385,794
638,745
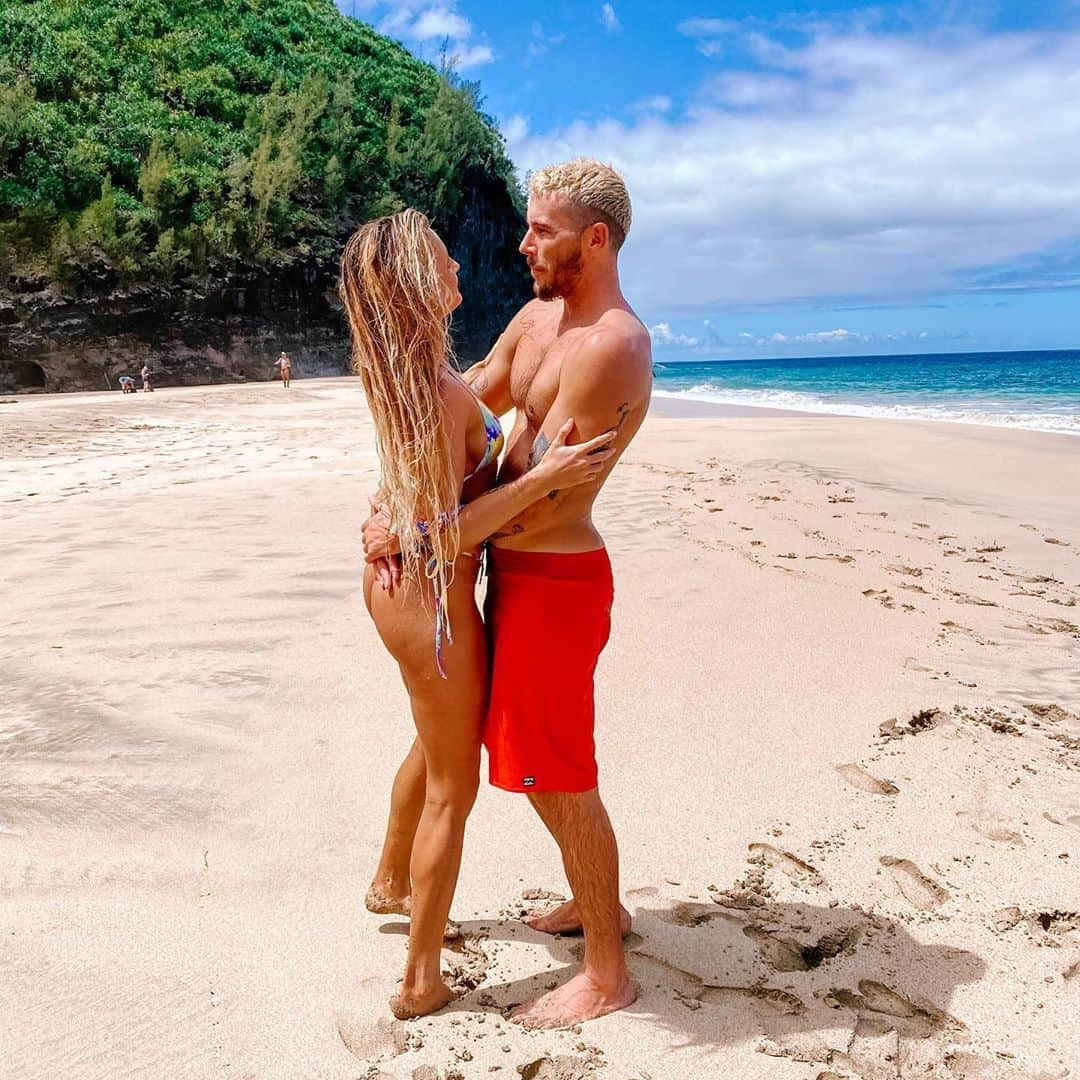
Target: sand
838,739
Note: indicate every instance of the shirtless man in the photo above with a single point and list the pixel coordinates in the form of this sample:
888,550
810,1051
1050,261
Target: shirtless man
575,358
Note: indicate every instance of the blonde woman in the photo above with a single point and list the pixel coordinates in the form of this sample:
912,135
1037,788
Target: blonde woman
438,447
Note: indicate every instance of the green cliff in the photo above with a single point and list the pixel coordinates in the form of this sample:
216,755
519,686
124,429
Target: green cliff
177,178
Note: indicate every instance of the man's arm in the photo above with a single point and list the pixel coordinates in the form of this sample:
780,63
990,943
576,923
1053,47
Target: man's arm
604,385
490,378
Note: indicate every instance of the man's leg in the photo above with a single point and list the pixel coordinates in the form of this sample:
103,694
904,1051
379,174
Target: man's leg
580,825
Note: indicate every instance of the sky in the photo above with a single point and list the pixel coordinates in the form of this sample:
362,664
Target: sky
807,179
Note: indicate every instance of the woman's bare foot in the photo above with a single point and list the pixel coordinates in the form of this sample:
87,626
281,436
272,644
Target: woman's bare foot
381,899
580,999
421,1002
566,919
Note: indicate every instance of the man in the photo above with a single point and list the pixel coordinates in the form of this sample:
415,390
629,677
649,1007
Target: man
146,384
284,363
576,352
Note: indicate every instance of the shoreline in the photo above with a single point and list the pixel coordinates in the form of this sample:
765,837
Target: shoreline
666,404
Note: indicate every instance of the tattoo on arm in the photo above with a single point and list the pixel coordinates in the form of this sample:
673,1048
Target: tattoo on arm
623,412
539,449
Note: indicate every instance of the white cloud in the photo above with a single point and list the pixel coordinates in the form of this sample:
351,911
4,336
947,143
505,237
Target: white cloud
664,337
471,56
541,42
609,20
857,163
516,128
709,33
658,103
779,342
425,27
440,23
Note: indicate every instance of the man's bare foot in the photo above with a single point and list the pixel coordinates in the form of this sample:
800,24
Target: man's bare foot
421,1002
566,919
581,999
382,900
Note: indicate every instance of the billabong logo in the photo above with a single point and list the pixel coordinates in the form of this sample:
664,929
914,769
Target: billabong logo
528,781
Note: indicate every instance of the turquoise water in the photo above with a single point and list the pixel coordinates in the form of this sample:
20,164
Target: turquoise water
1038,390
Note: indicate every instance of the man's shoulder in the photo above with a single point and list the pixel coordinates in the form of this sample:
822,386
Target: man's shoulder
617,341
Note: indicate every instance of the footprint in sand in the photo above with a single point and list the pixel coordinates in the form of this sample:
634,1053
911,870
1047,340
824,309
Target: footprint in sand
366,1039
781,954
990,825
792,865
982,814
881,595
562,1067
691,914
900,568
859,778
761,999
919,890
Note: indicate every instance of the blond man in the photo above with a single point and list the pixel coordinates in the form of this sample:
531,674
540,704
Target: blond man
576,355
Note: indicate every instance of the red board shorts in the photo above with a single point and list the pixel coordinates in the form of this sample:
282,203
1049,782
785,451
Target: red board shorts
549,617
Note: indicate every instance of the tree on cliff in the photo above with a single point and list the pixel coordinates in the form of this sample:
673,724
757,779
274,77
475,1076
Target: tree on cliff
184,142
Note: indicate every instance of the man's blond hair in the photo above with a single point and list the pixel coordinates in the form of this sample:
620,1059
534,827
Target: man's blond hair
594,190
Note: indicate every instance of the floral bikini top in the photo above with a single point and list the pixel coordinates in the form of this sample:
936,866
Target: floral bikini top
494,432
437,575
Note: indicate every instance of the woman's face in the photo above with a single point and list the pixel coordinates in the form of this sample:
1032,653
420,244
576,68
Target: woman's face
447,270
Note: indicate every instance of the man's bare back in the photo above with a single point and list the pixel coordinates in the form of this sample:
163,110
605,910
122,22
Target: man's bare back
597,372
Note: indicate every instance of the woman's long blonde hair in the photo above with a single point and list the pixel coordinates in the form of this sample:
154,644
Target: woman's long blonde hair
401,346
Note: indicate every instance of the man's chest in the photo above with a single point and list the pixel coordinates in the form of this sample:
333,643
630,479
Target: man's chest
534,376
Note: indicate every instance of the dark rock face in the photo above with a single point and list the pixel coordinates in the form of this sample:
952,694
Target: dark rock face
494,280
235,332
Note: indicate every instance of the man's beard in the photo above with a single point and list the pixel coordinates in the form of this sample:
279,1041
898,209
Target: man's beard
564,277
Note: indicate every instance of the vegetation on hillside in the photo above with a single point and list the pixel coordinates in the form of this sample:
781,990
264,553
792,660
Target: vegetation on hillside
185,140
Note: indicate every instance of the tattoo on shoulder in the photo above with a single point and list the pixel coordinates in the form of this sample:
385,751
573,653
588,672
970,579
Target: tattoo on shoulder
539,449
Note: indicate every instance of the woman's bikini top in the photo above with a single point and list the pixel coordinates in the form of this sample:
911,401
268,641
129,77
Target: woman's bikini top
494,433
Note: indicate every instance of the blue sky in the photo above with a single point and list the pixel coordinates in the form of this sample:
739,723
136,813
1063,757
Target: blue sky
808,178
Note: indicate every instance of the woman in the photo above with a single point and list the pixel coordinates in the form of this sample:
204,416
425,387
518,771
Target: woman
438,447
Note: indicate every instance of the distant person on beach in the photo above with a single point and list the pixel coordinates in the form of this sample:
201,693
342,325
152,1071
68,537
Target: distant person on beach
438,449
146,384
574,362
127,384
284,363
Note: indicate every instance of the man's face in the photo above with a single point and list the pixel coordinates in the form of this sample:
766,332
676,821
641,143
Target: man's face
552,247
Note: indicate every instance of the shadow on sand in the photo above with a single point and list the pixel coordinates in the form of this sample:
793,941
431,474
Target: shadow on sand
830,985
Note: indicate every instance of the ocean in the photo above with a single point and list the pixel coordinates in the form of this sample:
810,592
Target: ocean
1036,390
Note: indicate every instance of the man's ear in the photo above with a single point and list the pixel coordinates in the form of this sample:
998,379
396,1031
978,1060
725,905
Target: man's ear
599,235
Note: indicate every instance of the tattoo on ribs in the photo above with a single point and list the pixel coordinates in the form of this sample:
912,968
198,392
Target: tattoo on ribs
514,530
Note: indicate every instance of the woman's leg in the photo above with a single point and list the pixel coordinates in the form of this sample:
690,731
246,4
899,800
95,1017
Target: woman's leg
448,715
391,889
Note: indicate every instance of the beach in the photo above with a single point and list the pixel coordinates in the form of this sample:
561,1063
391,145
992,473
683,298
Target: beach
838,731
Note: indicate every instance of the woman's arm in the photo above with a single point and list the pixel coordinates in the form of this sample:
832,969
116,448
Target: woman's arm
561,467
